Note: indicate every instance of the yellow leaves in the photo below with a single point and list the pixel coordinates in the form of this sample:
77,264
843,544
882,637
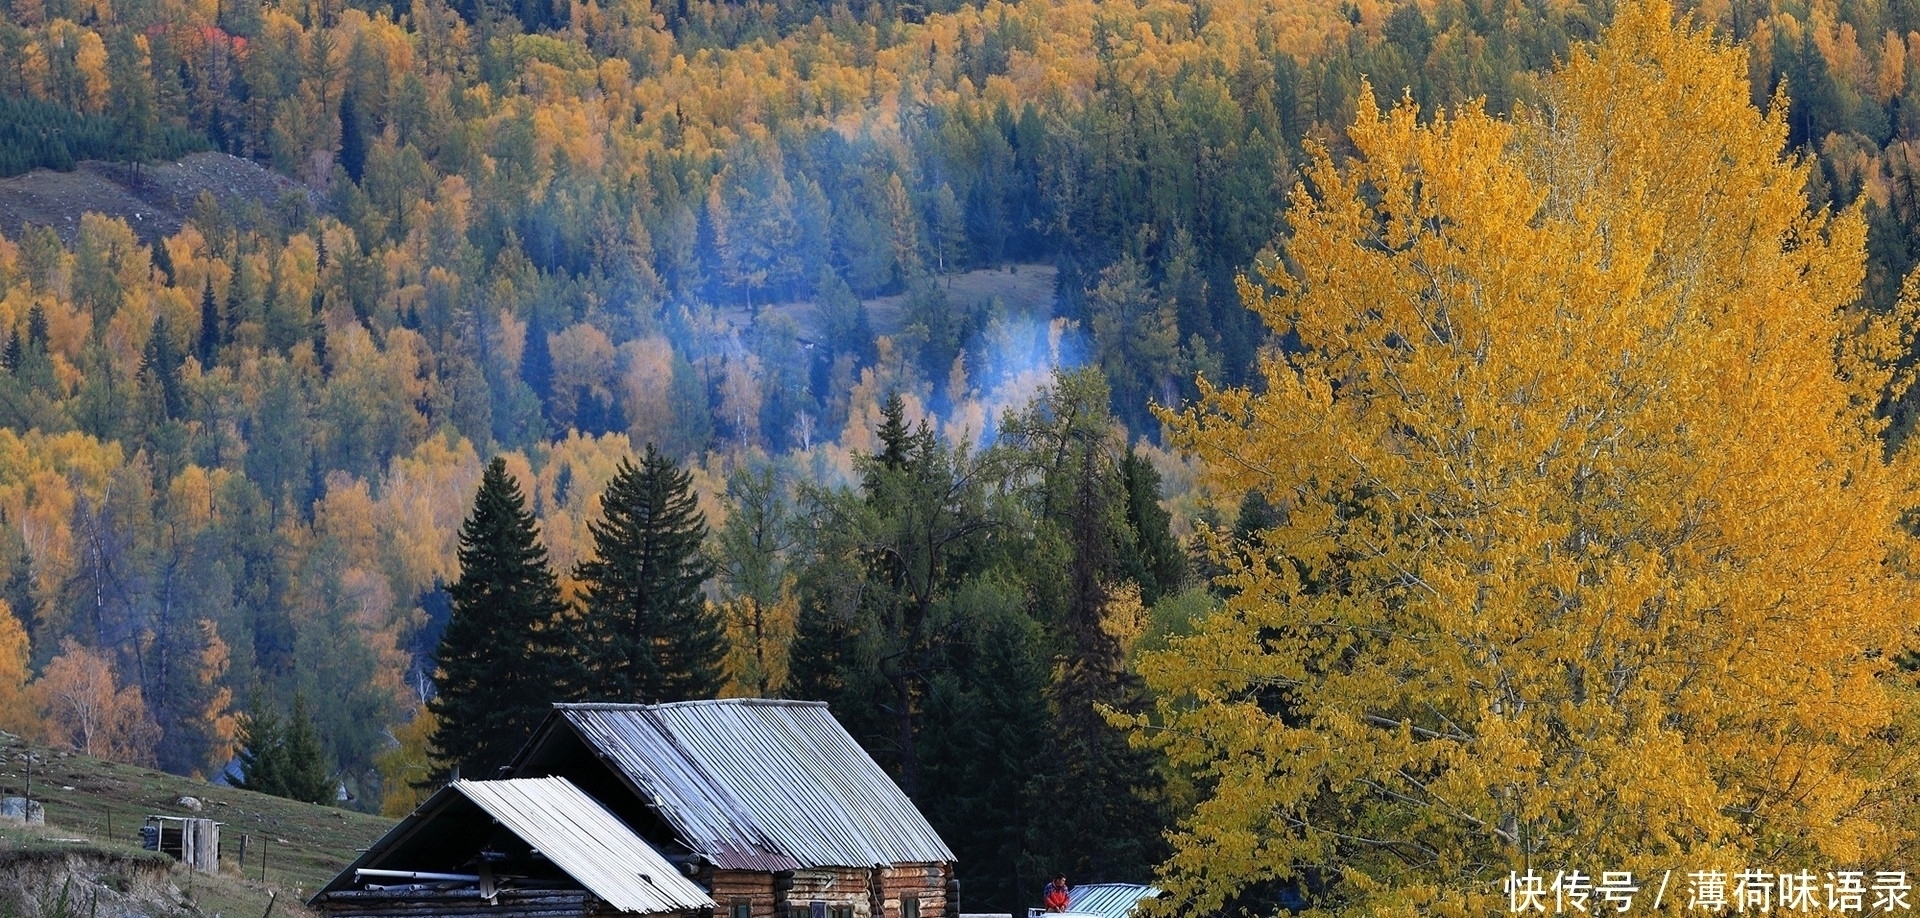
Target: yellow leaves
90,58
583,359
1585,546
406,763
572,130
646,374
398,543
217,717
1124,618
41,478
87,711
422,499
566,496
191,496
758,640
16,712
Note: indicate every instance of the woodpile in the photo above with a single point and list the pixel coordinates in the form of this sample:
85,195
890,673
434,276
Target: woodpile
464,903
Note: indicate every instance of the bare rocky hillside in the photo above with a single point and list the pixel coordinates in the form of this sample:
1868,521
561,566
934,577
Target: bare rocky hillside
153,199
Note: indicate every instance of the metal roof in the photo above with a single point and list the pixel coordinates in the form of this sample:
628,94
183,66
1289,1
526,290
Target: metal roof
755,784
1111,900
580,837
571,829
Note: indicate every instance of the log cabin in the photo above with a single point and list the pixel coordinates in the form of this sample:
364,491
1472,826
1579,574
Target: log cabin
771,806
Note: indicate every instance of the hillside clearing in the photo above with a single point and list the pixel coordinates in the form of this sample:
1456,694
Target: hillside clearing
91,841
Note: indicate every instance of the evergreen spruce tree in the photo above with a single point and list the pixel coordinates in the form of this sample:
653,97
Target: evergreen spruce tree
262,740
1098,803
163,260
895,435
651,636
536,362
282,756
1154,558
160,370
37,332
499,664
1112,789
208,345
306,764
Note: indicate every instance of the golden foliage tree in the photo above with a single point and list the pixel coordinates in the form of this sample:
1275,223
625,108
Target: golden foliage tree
217,717
16,713
759,641
1587,550
407,762
86,710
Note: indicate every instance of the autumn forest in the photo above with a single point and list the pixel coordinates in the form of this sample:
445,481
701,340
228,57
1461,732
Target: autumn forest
1121,411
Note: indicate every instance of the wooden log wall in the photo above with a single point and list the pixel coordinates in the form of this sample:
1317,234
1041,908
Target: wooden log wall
926,882
869,893
834,886
727,885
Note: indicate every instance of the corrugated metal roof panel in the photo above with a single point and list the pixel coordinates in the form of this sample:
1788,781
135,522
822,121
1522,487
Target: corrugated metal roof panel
754,784
1112,900
580,837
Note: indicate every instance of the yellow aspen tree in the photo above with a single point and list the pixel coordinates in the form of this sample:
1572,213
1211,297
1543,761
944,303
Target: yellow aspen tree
16,711
1587,550
419,511
406,764
86,710
646,373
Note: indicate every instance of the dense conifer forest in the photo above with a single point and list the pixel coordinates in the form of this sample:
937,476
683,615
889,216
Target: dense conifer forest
738,246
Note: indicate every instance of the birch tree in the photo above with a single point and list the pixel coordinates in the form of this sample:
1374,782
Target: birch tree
1586,550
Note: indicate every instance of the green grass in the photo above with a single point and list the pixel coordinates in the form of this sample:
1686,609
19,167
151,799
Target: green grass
95,810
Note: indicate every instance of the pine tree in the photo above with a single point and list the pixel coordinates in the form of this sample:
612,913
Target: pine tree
37,332
897,572
163,260
306,766
262,740
1107,795
1112,789
160,369
1155,560
536,361
17,592
499,667
283,756
209,343
651,636
894,434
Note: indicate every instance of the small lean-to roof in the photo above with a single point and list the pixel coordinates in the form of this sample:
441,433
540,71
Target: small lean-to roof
1109,900
569,828
755,784
580,837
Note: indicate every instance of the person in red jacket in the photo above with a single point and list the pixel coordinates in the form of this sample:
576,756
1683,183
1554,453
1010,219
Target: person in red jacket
1056,896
